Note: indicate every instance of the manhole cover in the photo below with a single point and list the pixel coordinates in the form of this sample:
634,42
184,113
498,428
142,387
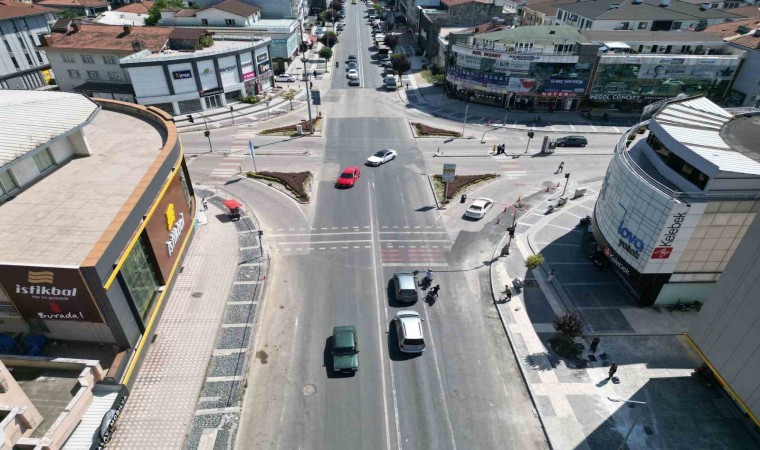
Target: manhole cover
309,389
197,294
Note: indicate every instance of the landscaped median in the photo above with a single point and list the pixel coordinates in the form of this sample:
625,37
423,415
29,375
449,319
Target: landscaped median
295,184
460,185
292,130
422,130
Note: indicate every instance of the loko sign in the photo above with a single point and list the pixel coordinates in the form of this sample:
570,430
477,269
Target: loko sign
49,293
629,241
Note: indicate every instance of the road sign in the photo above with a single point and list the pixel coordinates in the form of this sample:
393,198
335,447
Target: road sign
251,149
315,98
448,173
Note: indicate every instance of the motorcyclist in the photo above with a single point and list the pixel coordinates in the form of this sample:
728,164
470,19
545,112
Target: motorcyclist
434,290
428,276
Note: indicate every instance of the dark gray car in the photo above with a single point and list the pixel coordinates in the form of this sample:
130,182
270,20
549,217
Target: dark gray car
405,287
572,141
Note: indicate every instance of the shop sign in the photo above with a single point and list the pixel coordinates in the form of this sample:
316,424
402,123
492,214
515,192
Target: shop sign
207,72
209,92
249,76
619,264
49,294
521,85
175,227
262,57
665,245
227,69
264,68
577,85
629,241
182,74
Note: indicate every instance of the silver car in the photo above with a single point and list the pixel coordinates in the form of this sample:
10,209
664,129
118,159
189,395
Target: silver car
409,331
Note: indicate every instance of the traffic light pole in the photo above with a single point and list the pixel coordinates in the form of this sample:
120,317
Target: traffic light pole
308,96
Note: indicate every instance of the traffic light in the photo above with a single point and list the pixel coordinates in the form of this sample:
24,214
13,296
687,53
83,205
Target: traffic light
531,134
190,118
511,231
207,133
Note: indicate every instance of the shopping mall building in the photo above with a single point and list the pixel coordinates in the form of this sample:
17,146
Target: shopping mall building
96,213
676,205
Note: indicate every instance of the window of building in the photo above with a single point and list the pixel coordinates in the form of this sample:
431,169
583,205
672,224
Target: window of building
67,57
7,45
39,56
229,21
625,25
676,25
29,59
93,75
44,160
74,74
675,162
109,60
87,59
7,183
140,277
15,63
564,48
204,21
21,41
114,76
643,25
524,47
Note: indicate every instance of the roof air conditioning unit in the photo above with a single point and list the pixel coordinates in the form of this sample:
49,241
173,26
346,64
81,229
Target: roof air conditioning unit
614,6
665,3
705,6
638,2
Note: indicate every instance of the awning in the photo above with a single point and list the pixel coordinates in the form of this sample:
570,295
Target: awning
617,45
232,203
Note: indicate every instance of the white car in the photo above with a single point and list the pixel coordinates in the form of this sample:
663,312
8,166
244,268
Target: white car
479,208
409,331
382,156
285,77
353,74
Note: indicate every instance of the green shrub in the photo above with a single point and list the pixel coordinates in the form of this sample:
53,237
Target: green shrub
534,261
564,346
569,324
250,99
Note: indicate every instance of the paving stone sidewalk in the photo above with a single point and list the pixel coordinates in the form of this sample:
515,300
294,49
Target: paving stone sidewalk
579,407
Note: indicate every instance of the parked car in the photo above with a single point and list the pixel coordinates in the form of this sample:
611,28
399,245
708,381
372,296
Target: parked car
348,177
345,349
353,74
386,62
286,77
352,65
382,156
354,82
405,287
409,331
572,141
479,208
351,58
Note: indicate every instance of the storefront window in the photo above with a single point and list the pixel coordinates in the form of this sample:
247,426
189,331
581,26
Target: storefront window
140,276
185,187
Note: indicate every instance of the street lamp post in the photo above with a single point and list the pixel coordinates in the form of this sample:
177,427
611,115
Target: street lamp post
635,421
466,109
567,179
308,95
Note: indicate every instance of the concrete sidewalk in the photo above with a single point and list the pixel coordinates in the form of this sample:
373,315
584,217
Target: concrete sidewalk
579,407
190,385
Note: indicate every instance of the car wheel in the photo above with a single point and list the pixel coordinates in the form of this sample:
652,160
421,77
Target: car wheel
583,145
394,157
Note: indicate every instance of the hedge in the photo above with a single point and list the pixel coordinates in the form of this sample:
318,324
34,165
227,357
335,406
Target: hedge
462,181
424,130
295,182
292,128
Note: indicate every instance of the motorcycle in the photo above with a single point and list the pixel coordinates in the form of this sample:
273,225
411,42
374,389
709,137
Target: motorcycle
584,221
425,283
431,297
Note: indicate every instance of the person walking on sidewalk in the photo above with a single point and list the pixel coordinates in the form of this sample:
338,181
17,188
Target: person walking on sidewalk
551,276
561,167
205,204
595,344
613,369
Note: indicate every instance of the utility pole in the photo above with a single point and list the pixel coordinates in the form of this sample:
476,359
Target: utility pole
207,133
530,136
567,178
466,109
232,115
308,95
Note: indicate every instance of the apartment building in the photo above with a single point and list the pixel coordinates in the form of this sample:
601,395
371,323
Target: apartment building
22,66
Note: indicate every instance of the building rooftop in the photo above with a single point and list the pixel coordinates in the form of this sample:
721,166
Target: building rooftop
121,18
60,219
50,391
547,8
537,35
602,36
108,37
217,47
236,7
451,3
484,27
747,11
717,135
136,8
646,10
22,132
74,3
12,10
739,32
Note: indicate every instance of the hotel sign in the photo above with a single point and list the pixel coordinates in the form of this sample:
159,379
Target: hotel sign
49,293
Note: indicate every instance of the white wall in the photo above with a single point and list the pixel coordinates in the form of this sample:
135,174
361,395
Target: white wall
208,74
25,171
62,149
217,17
229,71
182,85
61,68
148,81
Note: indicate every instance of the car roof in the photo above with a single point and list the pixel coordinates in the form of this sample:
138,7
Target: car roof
481,201
575,136
350,169
405,280
345,336
411,322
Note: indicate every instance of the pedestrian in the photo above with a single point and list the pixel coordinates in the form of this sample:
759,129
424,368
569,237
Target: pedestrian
205,204
315,73
561,167
613,369
595,344
509,293
496,149
551,276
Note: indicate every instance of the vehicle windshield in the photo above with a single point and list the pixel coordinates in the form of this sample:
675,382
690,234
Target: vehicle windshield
475,208
380,154
347,175
344,351
414,342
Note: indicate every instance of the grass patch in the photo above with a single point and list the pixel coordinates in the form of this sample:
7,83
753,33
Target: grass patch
295,182
428,131
427,76
291,130
460,182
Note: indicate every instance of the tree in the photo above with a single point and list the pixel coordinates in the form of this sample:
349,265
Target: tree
400,63
154,13
326,53
289,96
378,8
69,14
391,40
329,39
569,324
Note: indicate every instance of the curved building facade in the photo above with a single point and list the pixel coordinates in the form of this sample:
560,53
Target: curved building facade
675,206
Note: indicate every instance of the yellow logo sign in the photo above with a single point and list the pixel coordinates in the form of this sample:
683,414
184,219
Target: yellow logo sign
40,277
170,217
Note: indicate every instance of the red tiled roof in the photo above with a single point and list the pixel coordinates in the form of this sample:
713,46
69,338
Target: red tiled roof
136,8
74,3
451,3
746,11
110,37
10,10
485,27
730,32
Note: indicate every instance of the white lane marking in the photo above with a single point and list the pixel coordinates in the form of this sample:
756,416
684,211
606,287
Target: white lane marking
319,234
413,232
415,240
292,350
322,242
415,264
380,336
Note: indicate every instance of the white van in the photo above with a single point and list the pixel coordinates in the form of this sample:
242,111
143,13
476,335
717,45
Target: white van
391,82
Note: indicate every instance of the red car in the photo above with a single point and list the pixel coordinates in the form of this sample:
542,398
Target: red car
348,177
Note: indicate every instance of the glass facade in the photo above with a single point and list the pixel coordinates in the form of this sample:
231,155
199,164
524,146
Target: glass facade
140,275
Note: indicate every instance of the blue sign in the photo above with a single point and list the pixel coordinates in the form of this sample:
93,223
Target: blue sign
564,85
182,74
480,77
629,241
315,98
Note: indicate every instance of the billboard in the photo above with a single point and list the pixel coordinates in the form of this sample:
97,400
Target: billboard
49,293
246,66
